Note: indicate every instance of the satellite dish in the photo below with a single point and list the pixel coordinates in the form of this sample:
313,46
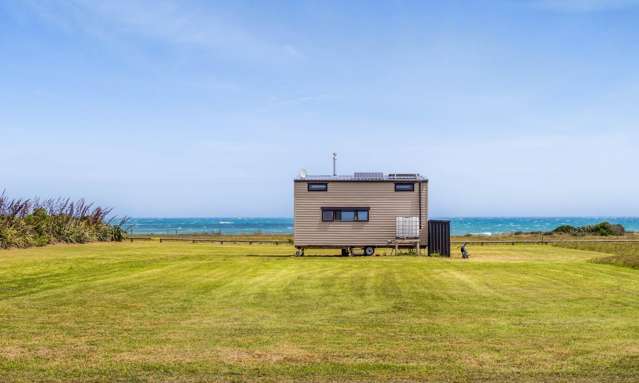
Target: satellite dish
303,173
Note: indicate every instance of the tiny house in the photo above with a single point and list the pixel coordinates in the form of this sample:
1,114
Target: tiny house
363,211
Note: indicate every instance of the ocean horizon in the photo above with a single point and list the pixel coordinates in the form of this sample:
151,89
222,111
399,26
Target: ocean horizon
284,225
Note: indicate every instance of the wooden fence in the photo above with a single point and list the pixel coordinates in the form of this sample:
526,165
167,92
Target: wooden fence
543,241
454,242
211,240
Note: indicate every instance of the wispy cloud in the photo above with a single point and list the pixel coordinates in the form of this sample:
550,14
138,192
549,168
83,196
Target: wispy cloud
165,21
585,6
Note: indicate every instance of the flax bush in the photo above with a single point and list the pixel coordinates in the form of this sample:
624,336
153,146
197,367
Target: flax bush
35,222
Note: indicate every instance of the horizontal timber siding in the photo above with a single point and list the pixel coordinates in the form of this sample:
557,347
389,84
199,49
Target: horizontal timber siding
384,202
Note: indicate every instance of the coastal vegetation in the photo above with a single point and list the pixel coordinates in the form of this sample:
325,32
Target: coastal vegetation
35,222
176,311
602,229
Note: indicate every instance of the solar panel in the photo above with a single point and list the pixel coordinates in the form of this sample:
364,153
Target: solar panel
369,175
365,176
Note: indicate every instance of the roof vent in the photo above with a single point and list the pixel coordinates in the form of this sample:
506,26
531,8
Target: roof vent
369,175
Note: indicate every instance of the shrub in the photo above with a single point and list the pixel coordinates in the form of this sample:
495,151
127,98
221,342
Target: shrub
603,229
565,229
32,222
117,233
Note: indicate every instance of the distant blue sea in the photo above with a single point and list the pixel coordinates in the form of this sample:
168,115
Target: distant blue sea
459,225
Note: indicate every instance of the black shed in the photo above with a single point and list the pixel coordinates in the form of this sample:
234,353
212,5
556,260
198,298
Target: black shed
439,237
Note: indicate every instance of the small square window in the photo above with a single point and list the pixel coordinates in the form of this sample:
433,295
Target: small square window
321,187
404,187
327,215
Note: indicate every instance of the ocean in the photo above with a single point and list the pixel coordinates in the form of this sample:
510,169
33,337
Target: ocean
459,225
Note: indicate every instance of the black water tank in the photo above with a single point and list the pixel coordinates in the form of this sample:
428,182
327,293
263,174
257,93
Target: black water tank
439,237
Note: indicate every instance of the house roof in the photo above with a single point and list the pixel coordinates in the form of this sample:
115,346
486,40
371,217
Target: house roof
365,177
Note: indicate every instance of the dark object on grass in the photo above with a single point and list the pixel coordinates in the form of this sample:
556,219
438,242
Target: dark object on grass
464,252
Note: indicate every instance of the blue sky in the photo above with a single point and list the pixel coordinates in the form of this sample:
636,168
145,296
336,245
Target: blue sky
197,108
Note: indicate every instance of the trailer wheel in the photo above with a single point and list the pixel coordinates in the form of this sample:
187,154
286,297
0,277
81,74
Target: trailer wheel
369,250
299,253
345,252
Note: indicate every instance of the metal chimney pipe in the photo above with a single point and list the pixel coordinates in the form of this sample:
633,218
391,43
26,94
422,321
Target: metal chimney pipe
334,161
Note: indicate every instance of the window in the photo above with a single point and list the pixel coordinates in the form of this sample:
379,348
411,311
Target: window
317,187
404,187
345,214
348,215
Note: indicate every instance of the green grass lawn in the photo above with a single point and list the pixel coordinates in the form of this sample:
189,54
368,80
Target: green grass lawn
200,312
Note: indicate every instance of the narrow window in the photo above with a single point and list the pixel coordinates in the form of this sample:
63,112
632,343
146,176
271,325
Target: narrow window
321,187
404,187
327,215
346,214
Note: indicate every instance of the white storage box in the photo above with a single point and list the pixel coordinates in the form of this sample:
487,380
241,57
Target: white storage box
407,227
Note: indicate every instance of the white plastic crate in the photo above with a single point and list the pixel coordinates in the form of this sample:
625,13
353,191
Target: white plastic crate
407,227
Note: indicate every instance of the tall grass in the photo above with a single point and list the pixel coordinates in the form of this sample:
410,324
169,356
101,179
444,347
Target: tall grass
36,222
621,254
